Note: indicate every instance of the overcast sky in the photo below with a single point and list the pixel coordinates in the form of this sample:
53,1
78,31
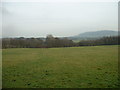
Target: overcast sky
37,19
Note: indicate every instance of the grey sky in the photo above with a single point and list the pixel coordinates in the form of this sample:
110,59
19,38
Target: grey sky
36,19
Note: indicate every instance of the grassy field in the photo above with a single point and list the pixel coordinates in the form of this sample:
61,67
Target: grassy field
75,67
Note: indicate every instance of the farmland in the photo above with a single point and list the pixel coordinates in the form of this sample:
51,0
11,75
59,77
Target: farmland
72,67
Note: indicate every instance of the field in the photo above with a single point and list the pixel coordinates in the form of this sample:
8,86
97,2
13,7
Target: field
74,67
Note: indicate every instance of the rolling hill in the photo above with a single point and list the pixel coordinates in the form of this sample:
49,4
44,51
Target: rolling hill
94,35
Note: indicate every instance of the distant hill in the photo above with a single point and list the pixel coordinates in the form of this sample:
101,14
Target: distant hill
94,35
98,34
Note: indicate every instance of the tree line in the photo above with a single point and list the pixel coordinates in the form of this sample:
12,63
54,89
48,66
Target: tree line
51,41
111,40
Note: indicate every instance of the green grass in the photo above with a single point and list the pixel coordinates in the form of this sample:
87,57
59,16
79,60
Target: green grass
75,67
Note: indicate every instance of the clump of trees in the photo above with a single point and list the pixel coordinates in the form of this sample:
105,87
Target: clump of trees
55,42
111,40
36,42
22,43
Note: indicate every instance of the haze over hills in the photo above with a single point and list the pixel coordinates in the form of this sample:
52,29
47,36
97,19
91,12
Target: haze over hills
94,35
89,35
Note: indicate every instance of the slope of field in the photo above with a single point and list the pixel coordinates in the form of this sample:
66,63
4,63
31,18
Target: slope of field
75,67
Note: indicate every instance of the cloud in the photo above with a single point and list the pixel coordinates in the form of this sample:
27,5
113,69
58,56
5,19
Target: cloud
59,1
61,19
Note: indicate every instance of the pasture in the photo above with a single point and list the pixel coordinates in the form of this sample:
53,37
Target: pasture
72,67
